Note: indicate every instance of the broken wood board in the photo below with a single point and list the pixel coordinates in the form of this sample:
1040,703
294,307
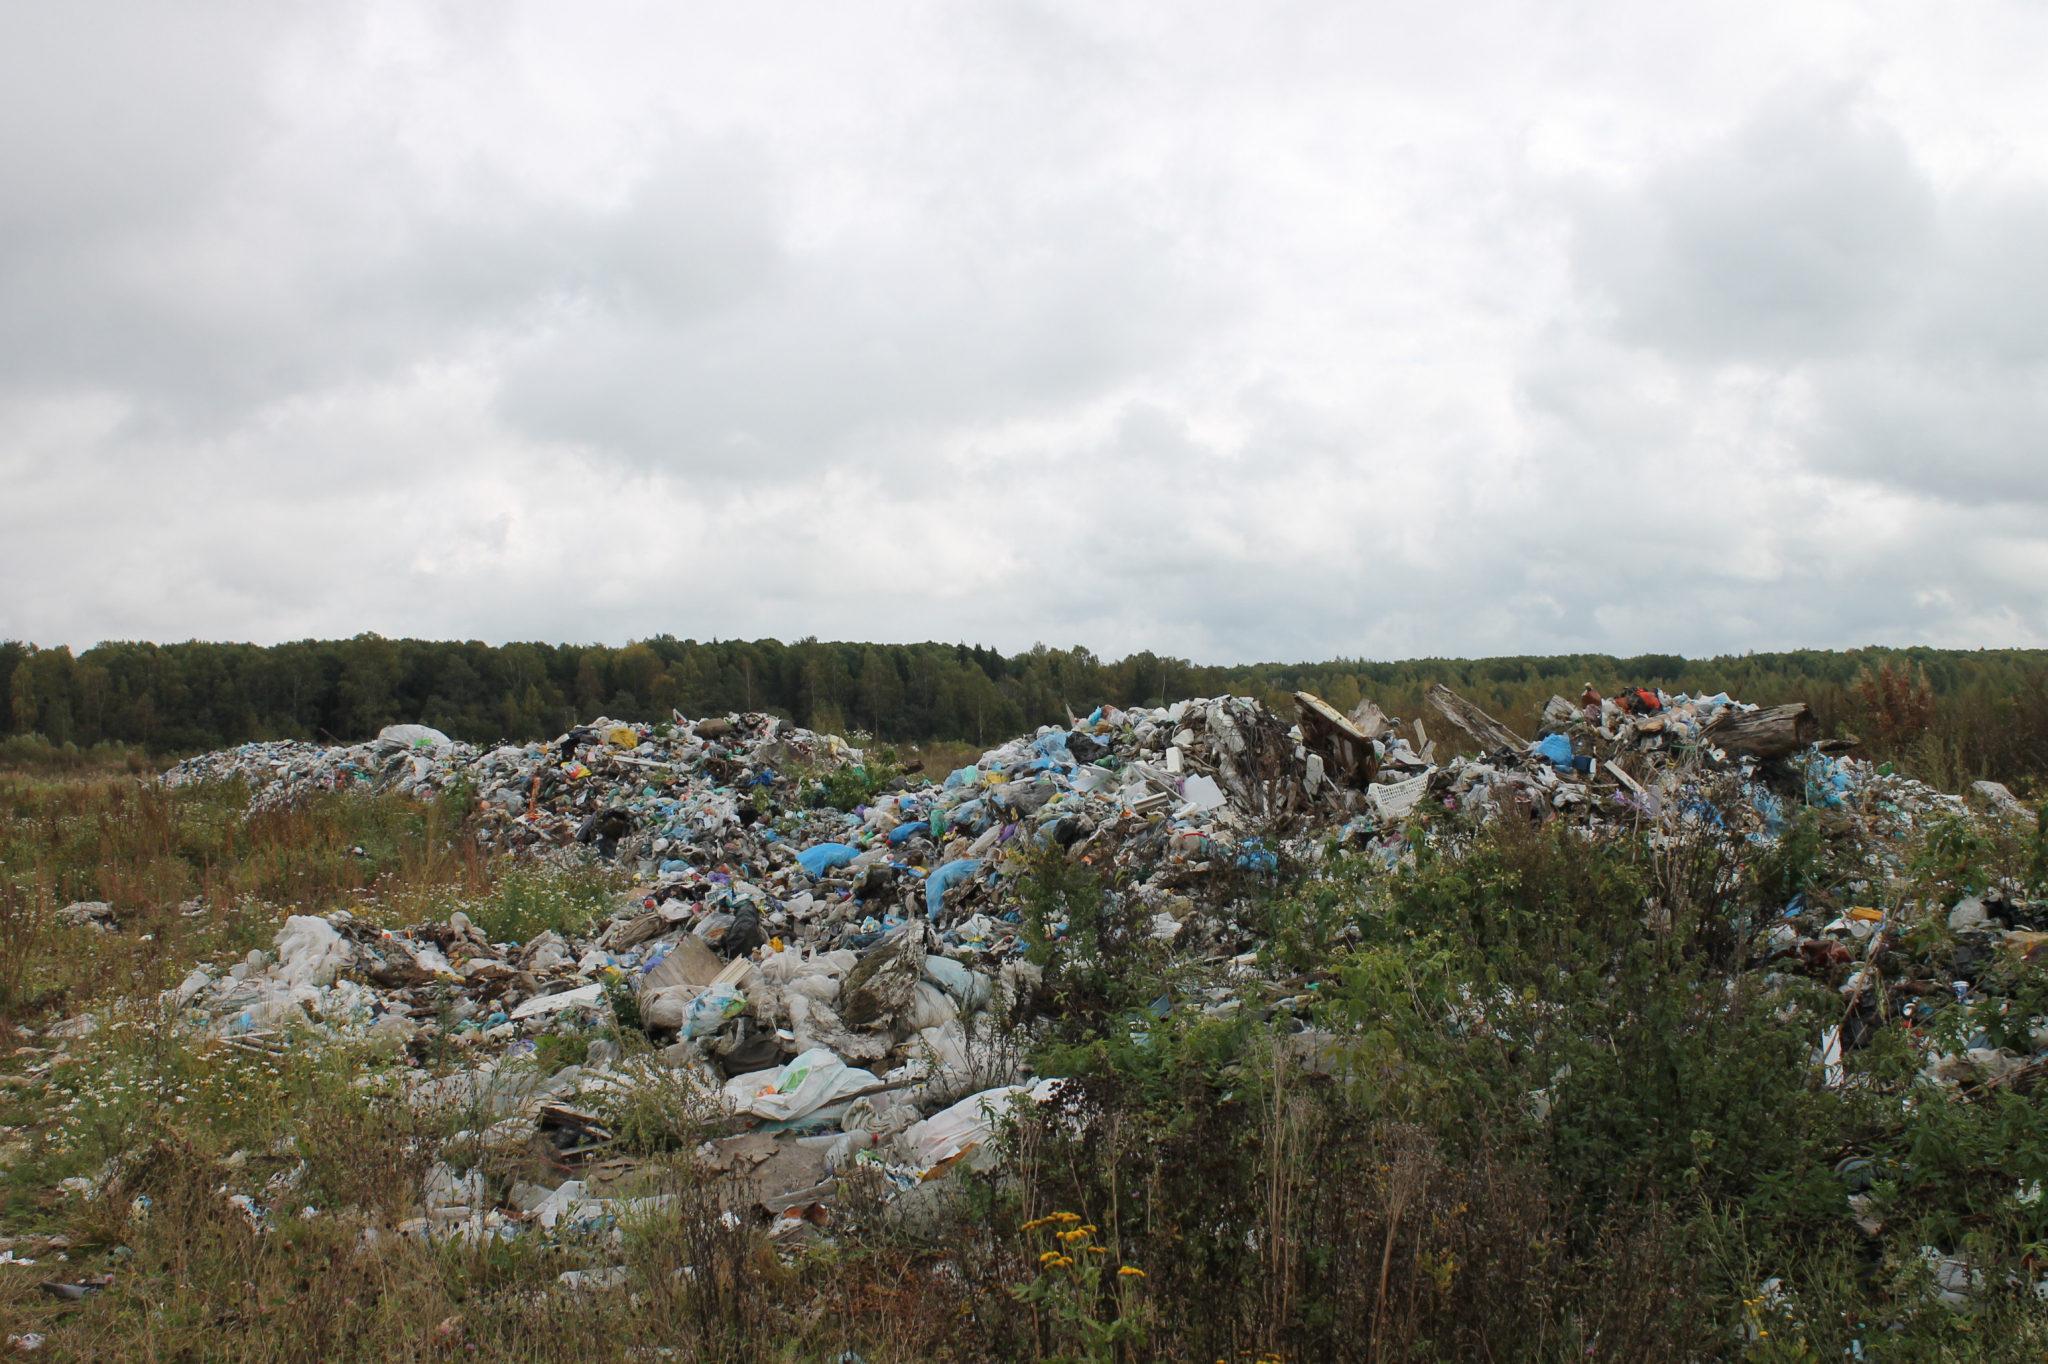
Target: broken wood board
1346,750
1491,733
689,962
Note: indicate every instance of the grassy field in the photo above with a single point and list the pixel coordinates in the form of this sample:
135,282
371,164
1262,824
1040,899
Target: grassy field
1627,1153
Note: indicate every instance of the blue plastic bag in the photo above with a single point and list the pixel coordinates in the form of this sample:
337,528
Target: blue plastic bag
1255,857
1053,748
1555,747
944,879
820,858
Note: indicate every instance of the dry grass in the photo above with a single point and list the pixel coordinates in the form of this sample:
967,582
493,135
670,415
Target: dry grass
941,756
190,878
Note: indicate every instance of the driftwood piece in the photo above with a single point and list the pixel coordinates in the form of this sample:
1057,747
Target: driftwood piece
1491,733
1772,733
1346,749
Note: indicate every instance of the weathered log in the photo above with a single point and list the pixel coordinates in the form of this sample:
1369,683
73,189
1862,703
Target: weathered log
1346,750
1772,733
1491,733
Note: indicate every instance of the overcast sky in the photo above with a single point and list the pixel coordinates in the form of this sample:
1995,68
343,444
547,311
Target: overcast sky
1254,331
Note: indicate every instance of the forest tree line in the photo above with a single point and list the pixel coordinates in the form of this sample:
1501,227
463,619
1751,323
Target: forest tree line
1953,714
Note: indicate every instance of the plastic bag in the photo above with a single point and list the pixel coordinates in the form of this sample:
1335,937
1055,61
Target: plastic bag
708,1012
971,988
811,1081
970,1122
929,1007
822,988
582,997
309,951
820,858
944,879
668,1006
413,736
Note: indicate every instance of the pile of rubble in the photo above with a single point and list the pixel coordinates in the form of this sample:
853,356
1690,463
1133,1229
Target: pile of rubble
848,985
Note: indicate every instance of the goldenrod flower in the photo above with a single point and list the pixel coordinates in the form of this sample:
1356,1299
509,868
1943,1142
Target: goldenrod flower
1131,1271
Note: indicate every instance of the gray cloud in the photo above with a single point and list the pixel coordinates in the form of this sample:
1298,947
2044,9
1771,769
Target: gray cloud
1135,326
793,357
1810,247
1802,235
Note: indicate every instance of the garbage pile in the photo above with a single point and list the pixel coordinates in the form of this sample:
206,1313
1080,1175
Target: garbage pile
404,760
844,989
1650,760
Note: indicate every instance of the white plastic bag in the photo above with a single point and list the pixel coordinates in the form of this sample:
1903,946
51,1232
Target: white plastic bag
970,1122
309,951
582,997
669,1006
822,988
929,1007
971,988
805,1085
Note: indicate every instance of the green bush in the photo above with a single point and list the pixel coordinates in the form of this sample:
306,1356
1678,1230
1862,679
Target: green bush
854,785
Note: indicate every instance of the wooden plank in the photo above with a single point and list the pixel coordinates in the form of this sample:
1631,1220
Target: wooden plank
1346,750
1491,733
1372,722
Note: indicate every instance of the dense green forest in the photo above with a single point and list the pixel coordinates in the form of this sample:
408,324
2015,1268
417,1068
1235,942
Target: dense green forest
1953,713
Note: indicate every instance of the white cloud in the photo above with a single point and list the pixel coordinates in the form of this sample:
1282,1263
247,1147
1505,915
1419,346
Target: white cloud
1229,331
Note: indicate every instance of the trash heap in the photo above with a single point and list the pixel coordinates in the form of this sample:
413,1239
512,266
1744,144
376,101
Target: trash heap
845,990
403,760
